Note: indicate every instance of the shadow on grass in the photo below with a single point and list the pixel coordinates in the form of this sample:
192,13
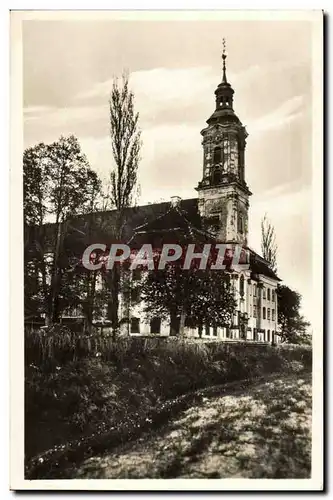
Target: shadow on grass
260,432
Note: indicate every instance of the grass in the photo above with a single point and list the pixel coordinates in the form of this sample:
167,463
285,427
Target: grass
83,395
263,432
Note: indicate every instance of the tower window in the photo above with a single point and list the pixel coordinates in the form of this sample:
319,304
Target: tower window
216,176
217,155
240,223
213,223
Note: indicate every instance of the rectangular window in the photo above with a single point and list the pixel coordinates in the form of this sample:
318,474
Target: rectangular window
273,314
254,311
135,295
264,313
155,325
264,293
268,294
268,314
268,335
273,295
254,290
207,330
215,331
250,289
137,273
135,325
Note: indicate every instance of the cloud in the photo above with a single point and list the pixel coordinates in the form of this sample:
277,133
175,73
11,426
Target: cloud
160,84
56,117
287,112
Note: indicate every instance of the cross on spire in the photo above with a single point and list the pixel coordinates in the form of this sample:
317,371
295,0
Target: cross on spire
224,56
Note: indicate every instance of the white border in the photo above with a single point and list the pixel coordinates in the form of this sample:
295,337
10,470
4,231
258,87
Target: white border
16,270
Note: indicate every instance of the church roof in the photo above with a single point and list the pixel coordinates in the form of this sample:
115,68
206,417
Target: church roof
259,265
176,225
153,223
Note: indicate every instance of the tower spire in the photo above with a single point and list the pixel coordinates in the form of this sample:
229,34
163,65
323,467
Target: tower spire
224,56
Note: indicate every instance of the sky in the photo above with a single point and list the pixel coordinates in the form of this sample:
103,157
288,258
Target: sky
174,68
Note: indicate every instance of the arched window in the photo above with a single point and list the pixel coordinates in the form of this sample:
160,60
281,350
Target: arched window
217,155
240,223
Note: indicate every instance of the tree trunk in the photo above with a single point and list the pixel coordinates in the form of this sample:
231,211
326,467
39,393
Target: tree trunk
53,313
113,302
182,323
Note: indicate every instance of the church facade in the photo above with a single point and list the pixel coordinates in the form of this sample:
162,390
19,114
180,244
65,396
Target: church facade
223,204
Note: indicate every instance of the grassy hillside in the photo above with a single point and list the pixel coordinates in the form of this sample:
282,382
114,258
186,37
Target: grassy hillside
82,393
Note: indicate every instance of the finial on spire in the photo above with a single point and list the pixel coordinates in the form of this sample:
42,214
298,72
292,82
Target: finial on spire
224,56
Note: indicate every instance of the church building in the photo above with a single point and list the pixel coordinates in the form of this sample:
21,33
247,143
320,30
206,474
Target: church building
222,205
219,213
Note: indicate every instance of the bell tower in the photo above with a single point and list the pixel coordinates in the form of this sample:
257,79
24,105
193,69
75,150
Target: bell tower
223,193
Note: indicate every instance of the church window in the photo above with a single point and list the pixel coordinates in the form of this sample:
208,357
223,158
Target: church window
135,325
264,313
137,274
241,286
135,294
155,325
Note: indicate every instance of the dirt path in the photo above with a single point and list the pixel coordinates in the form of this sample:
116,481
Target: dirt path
263,432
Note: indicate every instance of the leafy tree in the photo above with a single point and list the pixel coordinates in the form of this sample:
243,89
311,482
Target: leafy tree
268,243
195,297
73,188
58,185
126,144
35,211
293,326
